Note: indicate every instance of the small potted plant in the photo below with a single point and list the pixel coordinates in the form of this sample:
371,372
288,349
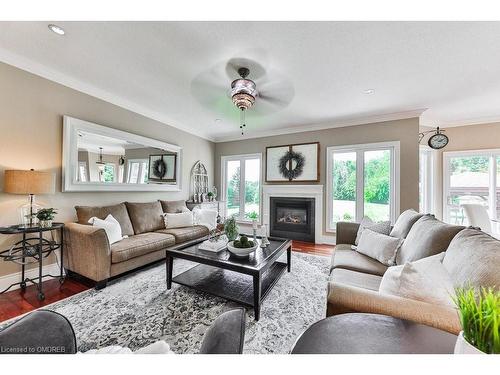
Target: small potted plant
480,319
231,228
210,196
45,217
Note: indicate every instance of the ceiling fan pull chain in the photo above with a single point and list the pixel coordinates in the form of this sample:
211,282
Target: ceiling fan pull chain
242,120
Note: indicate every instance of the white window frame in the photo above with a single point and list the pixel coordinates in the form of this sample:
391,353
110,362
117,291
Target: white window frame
241,159
492,154
129,164
428,184
360,149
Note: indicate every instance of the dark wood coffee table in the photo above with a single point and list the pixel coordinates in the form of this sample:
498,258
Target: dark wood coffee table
224,275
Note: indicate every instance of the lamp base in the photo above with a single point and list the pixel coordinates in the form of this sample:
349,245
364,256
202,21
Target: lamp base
27,212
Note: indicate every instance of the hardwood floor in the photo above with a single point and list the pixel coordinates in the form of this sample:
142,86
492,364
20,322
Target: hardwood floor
15,303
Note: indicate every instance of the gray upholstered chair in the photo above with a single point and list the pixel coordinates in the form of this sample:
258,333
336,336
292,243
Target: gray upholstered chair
41,332
226,335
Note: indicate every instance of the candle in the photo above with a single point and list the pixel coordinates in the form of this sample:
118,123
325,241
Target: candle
254,224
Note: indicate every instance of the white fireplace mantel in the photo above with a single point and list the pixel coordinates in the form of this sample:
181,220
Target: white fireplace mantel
296,191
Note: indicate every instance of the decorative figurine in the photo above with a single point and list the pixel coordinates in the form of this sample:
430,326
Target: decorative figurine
264,241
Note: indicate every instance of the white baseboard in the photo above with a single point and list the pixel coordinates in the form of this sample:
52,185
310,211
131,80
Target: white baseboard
12,278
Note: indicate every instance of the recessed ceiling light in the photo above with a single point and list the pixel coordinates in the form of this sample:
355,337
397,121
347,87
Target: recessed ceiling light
217,120
56,29
369,91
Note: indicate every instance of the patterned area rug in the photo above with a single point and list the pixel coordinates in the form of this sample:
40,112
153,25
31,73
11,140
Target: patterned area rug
137,310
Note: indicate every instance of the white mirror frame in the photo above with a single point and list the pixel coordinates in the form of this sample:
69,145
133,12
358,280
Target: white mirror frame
72,125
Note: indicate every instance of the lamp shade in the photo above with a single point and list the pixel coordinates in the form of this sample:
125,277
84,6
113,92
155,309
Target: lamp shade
28,182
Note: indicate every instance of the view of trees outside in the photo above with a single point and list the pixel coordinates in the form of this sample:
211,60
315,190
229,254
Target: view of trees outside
251,188
377,184
108,174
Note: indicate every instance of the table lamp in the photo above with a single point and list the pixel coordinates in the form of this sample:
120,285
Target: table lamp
29,182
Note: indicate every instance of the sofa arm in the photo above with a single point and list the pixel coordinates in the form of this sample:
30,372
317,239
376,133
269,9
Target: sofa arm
87,251
344,298
346,232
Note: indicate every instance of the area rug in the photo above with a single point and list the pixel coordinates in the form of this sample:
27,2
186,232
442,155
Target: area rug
137,310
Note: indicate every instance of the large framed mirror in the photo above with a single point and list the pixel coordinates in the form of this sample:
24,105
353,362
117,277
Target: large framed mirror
98,158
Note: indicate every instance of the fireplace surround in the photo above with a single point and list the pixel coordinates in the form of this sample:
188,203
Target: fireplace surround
292,217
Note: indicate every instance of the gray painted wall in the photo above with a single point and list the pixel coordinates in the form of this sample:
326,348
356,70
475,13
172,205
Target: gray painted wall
405,131
31,137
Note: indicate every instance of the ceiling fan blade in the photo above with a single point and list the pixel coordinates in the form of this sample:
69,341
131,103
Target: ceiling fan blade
256,70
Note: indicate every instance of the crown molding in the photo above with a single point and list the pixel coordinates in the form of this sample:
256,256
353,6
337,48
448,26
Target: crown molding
43,71
329,125
469,122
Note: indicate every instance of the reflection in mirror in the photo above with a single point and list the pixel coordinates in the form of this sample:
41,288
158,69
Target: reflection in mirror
98,158
107,159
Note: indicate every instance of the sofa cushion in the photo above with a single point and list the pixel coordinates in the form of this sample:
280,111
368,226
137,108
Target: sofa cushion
140,244
383,227
424,280
473,257
118,211
174,207
187,233
404,223
352,260
428,236
354,278
379,246
145,217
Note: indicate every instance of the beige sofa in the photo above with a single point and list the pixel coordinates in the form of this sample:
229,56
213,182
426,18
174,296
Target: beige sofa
88,252
471,257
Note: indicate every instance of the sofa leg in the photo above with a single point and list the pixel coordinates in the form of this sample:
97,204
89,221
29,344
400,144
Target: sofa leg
101,284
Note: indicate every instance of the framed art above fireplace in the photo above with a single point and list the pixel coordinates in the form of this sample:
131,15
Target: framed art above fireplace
293,163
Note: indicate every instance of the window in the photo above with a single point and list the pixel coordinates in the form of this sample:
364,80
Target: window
470,177
362,180
137,171
241,186
426,180
82,171
108,173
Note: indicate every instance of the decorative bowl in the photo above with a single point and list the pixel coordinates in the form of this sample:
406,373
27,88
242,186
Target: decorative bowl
241,252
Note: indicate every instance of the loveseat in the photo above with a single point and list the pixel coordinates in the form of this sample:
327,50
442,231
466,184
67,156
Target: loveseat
471,258
89,253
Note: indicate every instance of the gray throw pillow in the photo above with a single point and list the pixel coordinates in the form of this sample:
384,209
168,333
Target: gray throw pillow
382,227
379,246
404,223
428,236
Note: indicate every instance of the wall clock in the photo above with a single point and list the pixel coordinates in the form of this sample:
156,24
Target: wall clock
438,140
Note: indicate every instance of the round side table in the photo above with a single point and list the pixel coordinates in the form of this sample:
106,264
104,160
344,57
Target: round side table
372,334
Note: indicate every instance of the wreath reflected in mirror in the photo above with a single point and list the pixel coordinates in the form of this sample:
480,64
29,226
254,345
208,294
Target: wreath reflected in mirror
287,162
159,168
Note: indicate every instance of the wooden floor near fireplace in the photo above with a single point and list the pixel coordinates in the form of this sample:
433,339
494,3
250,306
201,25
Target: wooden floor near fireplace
15,303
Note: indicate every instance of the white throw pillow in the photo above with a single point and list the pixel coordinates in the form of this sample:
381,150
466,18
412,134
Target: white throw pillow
180,220
379,246
424,280
383,227
110,225
208,218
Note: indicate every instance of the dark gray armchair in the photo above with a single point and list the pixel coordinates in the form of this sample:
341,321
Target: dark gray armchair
41,332
226,335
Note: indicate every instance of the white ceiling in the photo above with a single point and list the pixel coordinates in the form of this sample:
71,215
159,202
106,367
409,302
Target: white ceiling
452,69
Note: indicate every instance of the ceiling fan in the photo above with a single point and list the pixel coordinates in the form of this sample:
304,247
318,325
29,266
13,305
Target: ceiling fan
254,91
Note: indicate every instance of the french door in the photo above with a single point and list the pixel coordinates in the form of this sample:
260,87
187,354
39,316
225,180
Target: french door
470,177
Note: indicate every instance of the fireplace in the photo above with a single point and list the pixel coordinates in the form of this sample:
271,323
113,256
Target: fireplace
292,218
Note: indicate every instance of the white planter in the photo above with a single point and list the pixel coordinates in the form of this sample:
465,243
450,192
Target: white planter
463,347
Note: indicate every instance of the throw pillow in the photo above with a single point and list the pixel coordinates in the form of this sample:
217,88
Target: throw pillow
424,280
378,246
207,218
180,220
383,227
110,225
404,223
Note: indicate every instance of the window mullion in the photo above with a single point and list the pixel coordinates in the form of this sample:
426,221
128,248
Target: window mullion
492,187
242,189
360,181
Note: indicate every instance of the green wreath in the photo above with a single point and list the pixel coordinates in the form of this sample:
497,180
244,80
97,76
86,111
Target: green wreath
159,168
285,163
